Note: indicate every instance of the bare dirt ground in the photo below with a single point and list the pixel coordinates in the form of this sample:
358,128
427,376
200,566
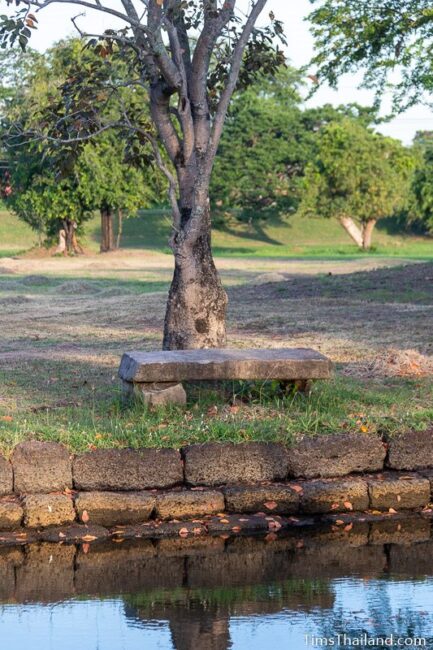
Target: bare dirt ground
65,321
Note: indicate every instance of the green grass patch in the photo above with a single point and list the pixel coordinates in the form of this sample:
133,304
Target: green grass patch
237,412
290,237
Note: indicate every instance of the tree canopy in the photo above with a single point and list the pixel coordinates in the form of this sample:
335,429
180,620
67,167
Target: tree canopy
88,175
389,40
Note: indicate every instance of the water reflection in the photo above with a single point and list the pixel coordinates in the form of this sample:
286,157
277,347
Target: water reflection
215,594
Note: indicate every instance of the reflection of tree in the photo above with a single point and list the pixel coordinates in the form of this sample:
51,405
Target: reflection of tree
200,618
387,610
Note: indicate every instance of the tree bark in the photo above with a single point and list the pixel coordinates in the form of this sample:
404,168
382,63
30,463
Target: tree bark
119,227
352,230
107,231
72,245
197,302
367,233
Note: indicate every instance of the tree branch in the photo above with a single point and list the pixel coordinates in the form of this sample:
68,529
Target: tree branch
232,79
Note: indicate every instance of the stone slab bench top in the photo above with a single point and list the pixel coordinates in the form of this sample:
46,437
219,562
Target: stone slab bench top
226,363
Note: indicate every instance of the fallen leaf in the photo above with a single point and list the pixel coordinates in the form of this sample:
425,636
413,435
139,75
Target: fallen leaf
88,538
86,548
392,511
85,516
270,505
335,506
348,528
224,521
339,522
6,418
236,529
297,488
271,537
183,532
398,498
348,505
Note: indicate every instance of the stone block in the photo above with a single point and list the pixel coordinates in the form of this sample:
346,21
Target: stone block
6,477
11,515
127,469
41,510
41,467
113,508
217,463
223,364
155,394
336,455
321,496
412,450
187,504
398,492
275,499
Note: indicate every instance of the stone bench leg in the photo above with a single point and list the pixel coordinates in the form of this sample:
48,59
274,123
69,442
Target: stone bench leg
155,394
300,385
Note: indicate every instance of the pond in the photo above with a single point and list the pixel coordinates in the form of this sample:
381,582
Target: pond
309,590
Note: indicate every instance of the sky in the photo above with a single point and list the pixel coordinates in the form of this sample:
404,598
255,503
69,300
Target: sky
55,23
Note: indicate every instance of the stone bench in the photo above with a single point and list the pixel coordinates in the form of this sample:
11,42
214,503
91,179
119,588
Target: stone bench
155,377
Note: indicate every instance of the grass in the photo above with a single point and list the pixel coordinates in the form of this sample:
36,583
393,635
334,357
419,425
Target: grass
291,237
236,412
64,322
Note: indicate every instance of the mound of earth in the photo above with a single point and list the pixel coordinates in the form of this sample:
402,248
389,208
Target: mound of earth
394,363
35,280
14,300
74,287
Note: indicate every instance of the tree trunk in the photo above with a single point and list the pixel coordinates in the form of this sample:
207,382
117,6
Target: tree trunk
61,248
352,230
72,245
107,231
367,233
119,227
197,302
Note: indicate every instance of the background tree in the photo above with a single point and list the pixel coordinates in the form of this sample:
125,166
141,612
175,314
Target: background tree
390,40
190,56
95,175
358,177
268,140
262,151
421,204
